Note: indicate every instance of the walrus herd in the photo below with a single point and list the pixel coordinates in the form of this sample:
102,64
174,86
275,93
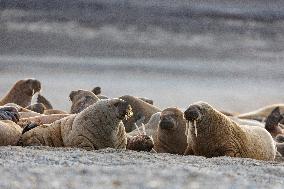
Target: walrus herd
96,121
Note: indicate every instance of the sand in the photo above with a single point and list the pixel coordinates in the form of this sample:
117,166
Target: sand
43,167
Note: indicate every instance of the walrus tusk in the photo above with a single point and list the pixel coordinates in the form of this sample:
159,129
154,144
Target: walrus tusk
143,129
137,128
195,129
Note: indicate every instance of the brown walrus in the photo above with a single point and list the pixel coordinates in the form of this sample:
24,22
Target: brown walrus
213,134
171,136
81,99
10,132
141,109
274,121
44,101
98,126
21,93
37,107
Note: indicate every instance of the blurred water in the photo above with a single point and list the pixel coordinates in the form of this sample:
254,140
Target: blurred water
234,86
228,53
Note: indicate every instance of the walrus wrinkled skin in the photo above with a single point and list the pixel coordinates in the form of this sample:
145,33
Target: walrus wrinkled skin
217,135
21,93
262,113
171,136
98,126
141,109
81,99
10,132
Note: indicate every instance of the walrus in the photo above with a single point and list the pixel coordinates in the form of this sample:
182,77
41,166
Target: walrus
171,129
44,101
141,109
23,112
37,107
96,127
213,134
149,128
97,90
21,93
81,99
262,113
10,132
274,121
41,119
53,111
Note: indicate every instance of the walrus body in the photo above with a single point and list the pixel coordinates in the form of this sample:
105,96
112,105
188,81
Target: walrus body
21,93
81,99
98,126
10,133
141,109
262,113
44,101
213,134
171,129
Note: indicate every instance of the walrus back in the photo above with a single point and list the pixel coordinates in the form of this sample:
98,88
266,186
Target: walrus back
48,135
10,133
260,143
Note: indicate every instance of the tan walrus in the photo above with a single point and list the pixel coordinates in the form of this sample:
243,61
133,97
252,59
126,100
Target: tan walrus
98,126
10,132
141,110
21,93
81,99
171,136
262,113
213,134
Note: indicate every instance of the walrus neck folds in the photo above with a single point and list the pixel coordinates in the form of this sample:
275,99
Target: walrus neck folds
104,127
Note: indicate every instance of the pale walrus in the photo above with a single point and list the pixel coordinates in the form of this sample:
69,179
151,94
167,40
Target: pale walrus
171,136
10,132
81,99
141,109
213,134
21,93
98,126
262,113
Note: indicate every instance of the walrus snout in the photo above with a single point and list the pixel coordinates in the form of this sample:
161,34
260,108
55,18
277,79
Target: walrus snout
166,123
192,113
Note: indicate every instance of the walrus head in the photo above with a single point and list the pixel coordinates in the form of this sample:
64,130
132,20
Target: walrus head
28,86
272,122
97,90
81,99
202,117
123,109
168,119
171,136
